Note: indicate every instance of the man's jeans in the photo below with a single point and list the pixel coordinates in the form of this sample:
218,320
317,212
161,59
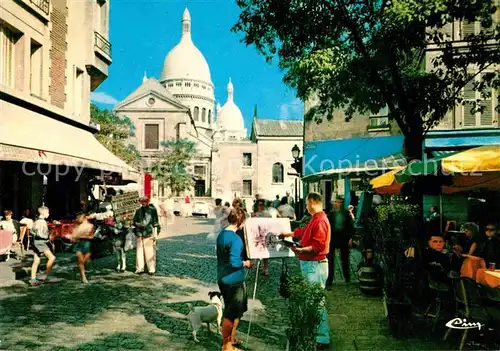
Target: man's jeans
317,272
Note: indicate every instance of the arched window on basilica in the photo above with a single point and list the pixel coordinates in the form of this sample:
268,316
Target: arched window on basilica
196,114
209,116
203,114
278,173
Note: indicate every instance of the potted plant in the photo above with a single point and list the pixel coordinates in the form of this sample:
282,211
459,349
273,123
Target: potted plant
304,313
394,229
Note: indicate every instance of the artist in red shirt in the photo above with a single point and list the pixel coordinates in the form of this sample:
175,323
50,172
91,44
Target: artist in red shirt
315,245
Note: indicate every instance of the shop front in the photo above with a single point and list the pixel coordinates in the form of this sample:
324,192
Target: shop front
48,159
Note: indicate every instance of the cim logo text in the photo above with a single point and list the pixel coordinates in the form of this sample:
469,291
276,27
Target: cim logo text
461,323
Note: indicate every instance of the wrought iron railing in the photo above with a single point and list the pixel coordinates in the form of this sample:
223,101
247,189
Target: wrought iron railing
43,5
102,43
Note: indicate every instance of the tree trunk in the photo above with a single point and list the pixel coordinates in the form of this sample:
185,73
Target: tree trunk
413,150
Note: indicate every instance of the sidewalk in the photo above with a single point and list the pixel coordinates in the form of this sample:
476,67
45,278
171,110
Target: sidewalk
357,322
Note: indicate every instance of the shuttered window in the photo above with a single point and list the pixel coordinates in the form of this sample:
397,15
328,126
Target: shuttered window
478,119
151,136
7,42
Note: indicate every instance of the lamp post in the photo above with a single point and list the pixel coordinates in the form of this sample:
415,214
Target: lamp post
297,165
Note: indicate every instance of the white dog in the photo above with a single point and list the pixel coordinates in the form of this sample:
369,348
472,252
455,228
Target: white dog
207,314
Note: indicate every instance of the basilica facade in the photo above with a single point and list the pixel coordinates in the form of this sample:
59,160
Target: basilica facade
230,161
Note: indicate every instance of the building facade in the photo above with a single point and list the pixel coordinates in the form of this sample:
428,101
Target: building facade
181,105
372,142
53,53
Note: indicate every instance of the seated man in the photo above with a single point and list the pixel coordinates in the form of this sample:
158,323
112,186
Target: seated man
437,261
489,248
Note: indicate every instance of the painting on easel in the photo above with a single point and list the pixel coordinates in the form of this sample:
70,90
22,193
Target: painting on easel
261,236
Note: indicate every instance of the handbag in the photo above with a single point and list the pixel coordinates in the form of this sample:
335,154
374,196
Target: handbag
129,242
284,281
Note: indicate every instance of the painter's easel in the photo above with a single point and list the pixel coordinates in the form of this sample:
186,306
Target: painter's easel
253,298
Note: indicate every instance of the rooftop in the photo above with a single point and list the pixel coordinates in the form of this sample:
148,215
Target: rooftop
278,128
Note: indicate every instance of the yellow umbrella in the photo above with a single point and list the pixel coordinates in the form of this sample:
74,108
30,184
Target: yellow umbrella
462,165
479,159
386,179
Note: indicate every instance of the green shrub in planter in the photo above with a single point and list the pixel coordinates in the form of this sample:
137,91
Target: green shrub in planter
394,228
304,313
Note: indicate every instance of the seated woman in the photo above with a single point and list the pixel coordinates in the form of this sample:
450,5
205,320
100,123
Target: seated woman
472,237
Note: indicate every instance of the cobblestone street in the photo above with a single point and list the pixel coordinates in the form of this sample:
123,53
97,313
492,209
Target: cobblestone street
126,311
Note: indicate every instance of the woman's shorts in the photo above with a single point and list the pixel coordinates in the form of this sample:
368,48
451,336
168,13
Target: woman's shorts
235,300
39,247
83,246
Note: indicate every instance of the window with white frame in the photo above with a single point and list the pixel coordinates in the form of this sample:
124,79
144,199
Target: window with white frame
247,159
196,114
78,92
203,114
8,41
209,117
380,120
199,171
36,68
247,187
103,17
482,118
278,171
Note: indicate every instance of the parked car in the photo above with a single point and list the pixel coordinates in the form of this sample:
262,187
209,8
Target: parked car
201,208
177,207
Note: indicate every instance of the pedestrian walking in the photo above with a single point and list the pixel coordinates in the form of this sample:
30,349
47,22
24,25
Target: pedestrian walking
40,236
276,202
342,224
315,244
285,210
82,236
231,273
147,229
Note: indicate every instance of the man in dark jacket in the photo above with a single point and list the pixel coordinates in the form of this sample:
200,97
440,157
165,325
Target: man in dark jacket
342,230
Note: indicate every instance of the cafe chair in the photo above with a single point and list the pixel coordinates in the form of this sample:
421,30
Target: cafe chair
492,296
469,305
440,292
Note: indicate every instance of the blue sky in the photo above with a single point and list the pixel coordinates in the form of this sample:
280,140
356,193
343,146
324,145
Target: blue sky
142,32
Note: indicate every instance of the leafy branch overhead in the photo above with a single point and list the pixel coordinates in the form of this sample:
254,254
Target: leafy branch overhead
115,133
170,167
413,56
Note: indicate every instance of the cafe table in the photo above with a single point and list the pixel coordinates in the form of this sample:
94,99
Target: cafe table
487,277
471,265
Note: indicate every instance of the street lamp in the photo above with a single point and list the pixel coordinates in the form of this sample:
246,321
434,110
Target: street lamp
295,152
297,165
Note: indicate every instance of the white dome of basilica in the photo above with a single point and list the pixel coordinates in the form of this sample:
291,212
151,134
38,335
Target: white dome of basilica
230,116
185,61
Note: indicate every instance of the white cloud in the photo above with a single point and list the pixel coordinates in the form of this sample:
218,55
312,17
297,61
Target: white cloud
292,110
103,98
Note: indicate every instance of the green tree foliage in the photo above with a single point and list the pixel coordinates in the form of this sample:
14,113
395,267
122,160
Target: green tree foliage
115,133
363,55
170,168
